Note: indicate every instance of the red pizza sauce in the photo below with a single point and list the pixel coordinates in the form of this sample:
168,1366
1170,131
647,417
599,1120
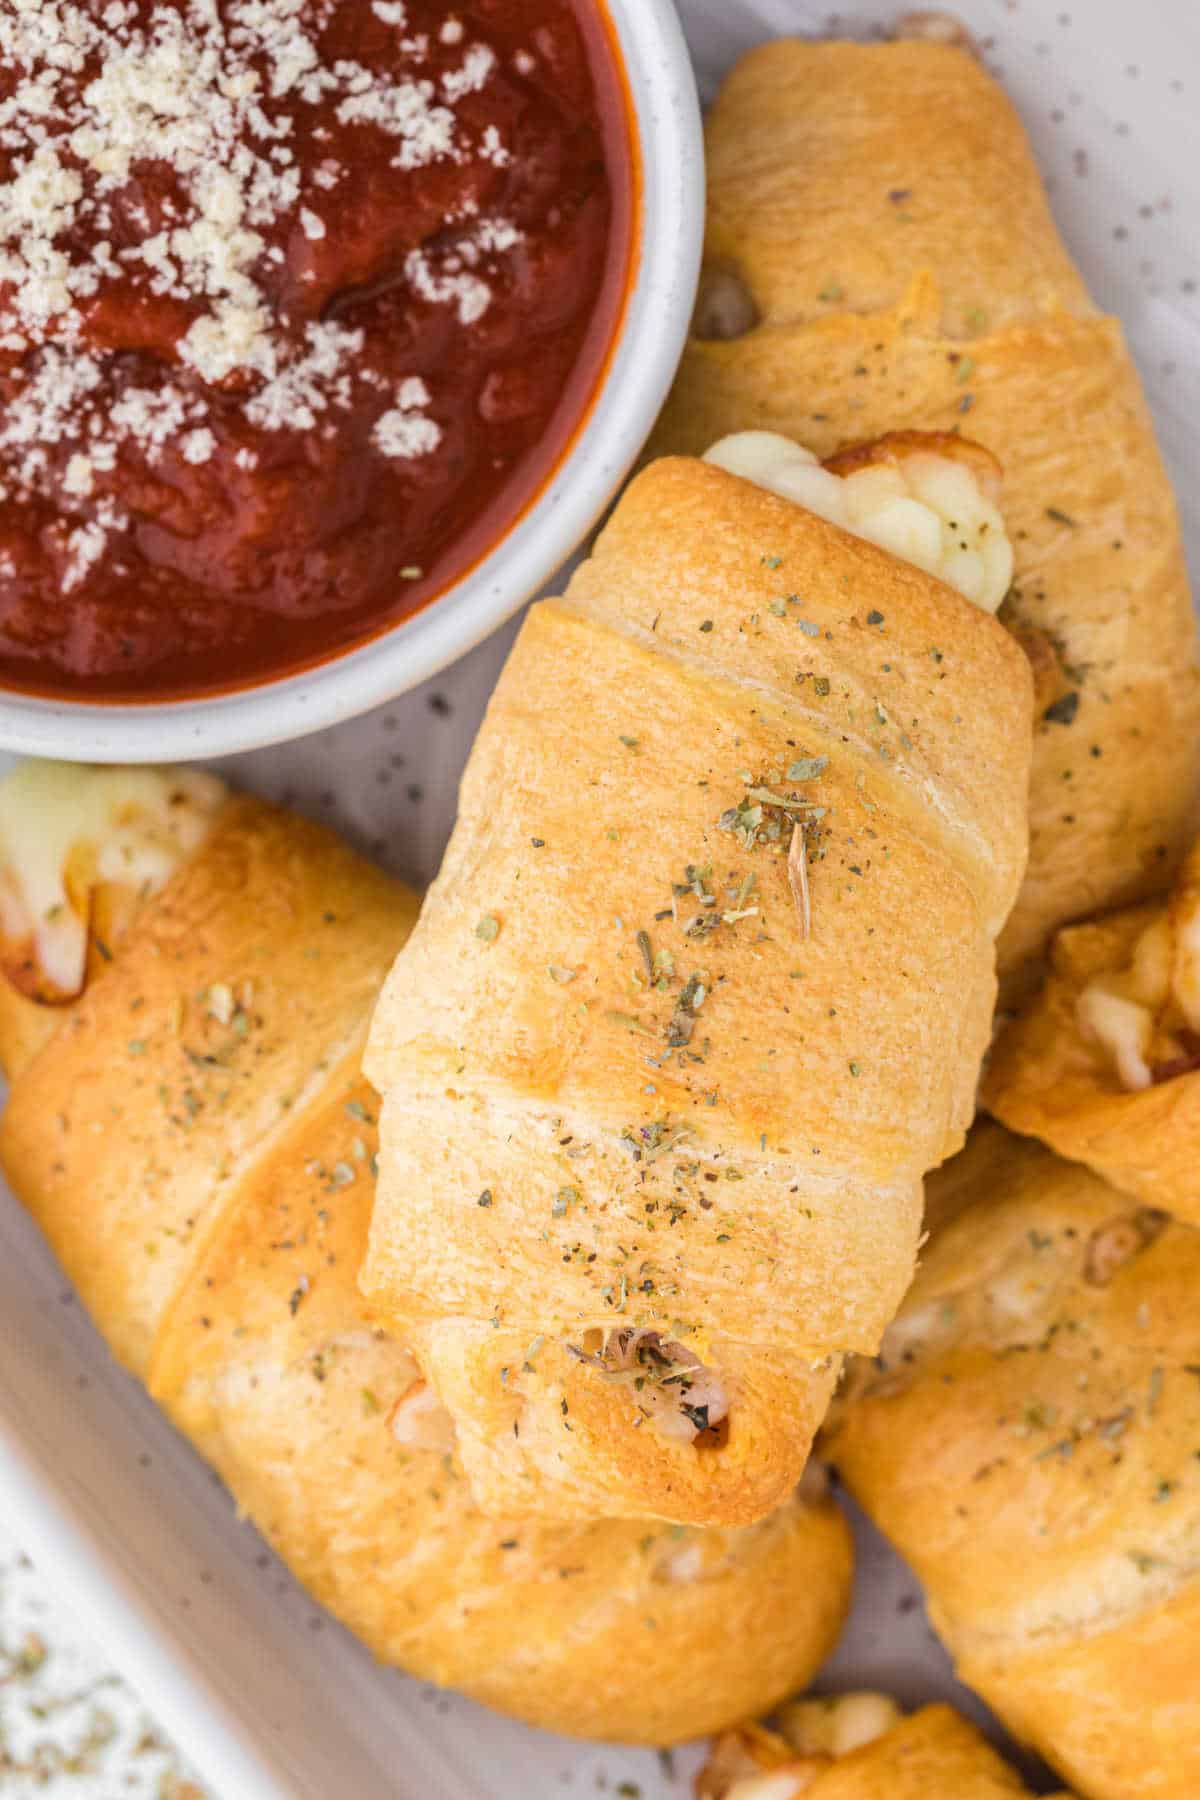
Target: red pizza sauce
300,304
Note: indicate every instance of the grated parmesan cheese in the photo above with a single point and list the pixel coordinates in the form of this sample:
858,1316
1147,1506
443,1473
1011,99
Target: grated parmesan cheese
405,431
476,68
198,446
219,96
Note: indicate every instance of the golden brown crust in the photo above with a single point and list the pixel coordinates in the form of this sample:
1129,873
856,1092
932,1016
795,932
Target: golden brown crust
214,1213
830,165
157,1146
754,1189
626,1630
1047,1078
955,307
1028,1442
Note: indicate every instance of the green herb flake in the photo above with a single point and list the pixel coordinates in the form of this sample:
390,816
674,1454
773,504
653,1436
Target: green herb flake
706,625
807,768
874,617
832,291
683,1019
1060,517
629,1022
646,952
557,973
26,1660
485,1199
1062,1451
630,743
488,928
772,562
370,1403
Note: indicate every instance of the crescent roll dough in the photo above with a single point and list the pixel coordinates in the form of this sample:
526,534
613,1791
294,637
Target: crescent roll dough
880,255
196,1141
1028,1441
858,1747
1104,1064
651,1155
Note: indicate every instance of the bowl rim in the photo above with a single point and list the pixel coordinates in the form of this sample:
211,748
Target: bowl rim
641,365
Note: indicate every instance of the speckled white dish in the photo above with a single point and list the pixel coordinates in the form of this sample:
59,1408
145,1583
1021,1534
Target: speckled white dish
666,263
266,1696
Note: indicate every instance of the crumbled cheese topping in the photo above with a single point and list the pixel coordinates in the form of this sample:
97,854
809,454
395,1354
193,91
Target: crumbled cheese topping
198,446
404,430
925,505
155,161
64,829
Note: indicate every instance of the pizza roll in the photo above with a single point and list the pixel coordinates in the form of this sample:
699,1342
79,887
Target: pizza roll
700,993
881,258
192,1133
1104,1063
1027,1439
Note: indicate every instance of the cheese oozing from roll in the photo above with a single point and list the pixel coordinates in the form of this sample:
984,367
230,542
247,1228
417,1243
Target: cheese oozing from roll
754,1763
65,831
928,497
1146,1016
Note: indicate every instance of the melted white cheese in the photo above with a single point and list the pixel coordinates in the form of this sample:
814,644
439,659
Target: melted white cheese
839,1725
419,1421
1131,1012
924,507
1123,1028
780,1784
819,1732
64,828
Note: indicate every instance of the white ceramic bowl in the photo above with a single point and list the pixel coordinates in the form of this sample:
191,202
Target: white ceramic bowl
666,260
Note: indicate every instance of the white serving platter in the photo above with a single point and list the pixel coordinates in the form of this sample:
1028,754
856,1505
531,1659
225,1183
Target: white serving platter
267,1697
